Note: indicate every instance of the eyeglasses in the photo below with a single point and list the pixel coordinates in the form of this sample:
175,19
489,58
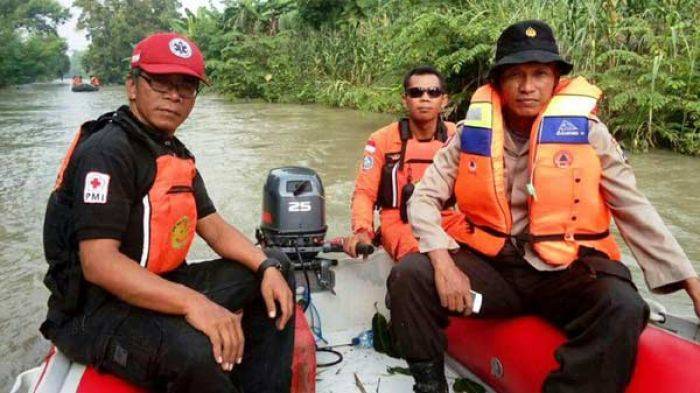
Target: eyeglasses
417,92
185,89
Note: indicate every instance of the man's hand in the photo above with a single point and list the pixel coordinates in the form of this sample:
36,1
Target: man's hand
350,243
223,328
451,283
692,286
274,287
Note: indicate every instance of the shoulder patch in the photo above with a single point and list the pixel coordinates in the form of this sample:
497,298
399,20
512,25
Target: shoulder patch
96,187
620,150
367,163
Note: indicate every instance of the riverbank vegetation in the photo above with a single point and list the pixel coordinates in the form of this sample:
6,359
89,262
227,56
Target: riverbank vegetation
644,54
115,26
30,48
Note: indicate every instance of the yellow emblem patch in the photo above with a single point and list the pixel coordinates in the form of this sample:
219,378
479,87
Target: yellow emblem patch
178,235
530,32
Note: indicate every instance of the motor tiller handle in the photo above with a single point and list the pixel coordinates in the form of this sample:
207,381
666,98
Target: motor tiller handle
364,249
336,245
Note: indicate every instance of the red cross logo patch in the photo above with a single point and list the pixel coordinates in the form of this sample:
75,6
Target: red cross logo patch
96,187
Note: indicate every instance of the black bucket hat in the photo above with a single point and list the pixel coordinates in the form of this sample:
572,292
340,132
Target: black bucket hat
525,42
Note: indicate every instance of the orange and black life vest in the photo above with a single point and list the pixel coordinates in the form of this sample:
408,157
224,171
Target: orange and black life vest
566,207
405,167
170,212
167,203
170,215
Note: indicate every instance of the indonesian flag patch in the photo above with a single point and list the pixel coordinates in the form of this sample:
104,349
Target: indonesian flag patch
370,147
96,187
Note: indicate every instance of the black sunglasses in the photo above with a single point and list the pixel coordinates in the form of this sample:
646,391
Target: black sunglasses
417,92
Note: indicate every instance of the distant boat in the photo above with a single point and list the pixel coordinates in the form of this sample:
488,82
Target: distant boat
84,87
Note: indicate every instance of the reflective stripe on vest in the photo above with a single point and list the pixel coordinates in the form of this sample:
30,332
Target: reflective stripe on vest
567,209
169,215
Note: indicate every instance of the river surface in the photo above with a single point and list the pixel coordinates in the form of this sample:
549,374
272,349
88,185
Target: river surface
236,144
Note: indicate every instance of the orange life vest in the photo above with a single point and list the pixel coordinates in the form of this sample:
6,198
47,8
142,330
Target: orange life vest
170,215
407,165
566,207
169,208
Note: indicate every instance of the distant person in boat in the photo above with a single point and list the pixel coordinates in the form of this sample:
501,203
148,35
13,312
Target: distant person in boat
127,204
77,80
538,176
95,81
394,159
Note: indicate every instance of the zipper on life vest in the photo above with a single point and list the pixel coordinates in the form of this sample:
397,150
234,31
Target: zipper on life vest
180,189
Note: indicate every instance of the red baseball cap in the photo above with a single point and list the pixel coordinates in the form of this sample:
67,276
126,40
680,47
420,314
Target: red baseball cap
169,53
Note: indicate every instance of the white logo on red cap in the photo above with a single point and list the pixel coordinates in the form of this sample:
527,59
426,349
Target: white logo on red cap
180,48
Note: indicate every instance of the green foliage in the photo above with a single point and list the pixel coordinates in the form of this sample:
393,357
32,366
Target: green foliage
643,54
115,26
76,64
466,385
31,49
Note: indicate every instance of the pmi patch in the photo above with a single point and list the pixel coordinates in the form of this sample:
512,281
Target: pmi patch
556,129
367,163
96,187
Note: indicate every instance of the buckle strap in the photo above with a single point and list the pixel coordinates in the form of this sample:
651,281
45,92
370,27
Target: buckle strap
564,236
530,238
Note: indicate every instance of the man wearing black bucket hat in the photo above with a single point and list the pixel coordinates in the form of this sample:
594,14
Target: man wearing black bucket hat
538,177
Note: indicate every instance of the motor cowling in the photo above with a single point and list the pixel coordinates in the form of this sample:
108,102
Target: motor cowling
293,212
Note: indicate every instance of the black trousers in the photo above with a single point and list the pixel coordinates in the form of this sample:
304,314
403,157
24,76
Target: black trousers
593,301
165,353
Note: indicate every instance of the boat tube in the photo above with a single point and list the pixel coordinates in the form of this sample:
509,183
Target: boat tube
505,355
84,87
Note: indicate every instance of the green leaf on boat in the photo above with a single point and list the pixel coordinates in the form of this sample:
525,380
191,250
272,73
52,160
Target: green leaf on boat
466,385
398,370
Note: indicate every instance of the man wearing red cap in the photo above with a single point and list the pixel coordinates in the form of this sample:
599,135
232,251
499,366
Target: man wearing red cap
127,203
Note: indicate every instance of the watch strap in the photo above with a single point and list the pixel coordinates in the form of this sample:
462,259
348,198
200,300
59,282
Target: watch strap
267,263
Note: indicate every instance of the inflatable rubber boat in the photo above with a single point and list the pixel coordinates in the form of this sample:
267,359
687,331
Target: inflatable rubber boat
507,355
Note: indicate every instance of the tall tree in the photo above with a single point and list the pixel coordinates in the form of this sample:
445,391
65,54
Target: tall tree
31,47
115,26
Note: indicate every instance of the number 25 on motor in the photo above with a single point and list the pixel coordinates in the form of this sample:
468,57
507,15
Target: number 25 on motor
300,206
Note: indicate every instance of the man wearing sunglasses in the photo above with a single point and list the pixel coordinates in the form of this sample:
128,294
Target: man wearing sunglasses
394,159
119,223
538,177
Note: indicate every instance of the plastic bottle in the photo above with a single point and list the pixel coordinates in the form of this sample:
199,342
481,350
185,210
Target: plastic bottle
364,339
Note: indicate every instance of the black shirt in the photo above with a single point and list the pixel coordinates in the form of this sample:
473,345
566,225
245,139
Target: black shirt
126,164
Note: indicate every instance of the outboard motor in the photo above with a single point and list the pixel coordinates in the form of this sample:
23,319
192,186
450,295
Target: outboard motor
294,220
294,213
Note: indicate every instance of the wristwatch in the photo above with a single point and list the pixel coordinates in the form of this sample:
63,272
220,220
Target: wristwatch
267,263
